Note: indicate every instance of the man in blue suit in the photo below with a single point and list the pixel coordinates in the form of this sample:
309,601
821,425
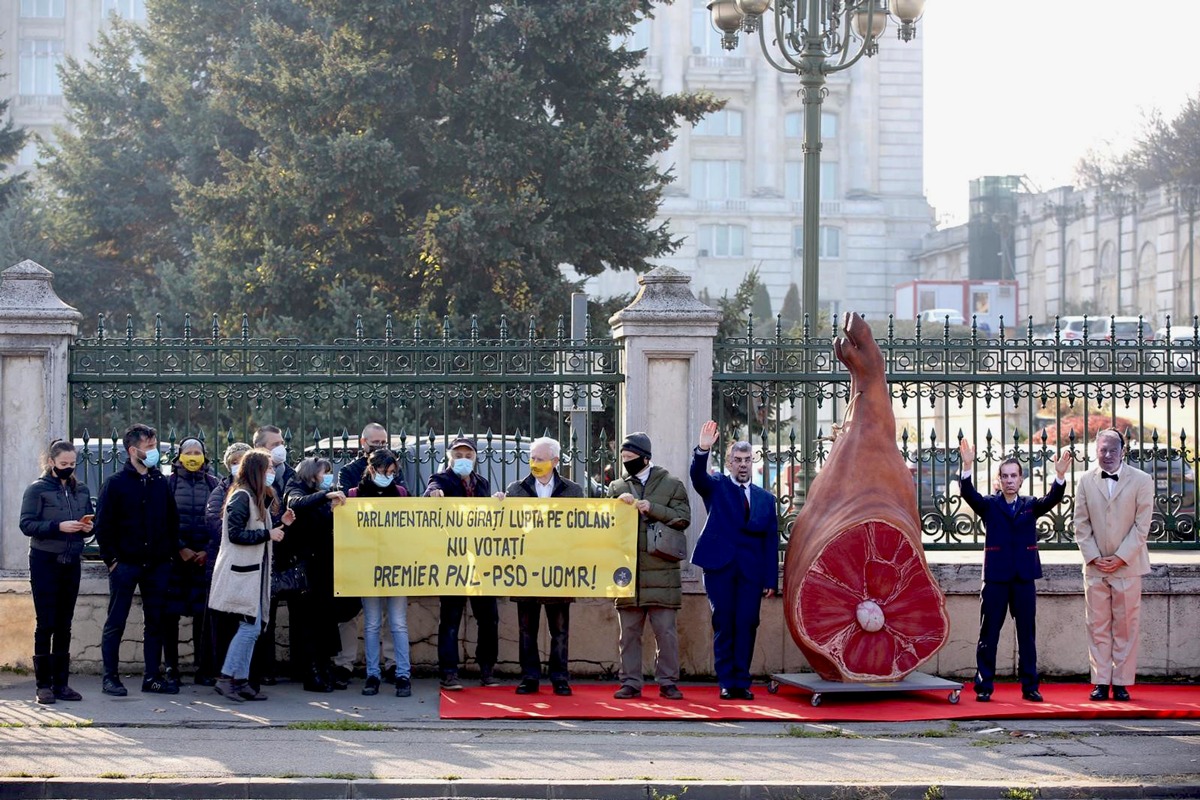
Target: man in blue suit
1010,566
739,553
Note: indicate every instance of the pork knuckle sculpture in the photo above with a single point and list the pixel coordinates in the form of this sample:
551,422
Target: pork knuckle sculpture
859,598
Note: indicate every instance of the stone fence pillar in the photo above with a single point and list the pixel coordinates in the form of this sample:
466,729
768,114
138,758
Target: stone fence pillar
668,364
36,330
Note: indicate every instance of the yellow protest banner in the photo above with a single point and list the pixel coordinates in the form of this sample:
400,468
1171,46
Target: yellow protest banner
518,547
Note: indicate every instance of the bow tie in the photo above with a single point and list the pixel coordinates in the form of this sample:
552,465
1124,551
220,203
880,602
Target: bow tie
1112,475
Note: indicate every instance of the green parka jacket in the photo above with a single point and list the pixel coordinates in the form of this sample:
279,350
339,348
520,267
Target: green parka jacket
658,580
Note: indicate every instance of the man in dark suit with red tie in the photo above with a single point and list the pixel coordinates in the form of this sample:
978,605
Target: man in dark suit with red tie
1010,566
739,553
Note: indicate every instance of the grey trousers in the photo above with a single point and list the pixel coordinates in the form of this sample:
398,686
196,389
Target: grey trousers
666,654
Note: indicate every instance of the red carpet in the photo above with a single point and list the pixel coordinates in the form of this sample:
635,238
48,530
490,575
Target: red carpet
595,701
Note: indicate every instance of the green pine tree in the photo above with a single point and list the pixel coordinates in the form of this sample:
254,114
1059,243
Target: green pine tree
764,317
11,141
307,161
791,311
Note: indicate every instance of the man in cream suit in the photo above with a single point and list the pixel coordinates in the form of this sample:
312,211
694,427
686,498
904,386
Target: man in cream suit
1113,505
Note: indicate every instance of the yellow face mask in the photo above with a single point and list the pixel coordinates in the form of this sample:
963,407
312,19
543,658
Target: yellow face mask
192,463
540,469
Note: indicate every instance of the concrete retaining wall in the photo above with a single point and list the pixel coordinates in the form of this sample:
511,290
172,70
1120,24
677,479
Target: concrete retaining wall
1170,645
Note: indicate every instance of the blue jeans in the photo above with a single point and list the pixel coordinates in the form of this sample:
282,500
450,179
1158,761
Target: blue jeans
397,611
241,648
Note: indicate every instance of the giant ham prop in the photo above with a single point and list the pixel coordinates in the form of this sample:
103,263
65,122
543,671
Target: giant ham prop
860,600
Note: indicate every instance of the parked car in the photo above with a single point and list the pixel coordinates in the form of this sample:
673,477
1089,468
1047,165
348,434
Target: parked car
1126,330
1183,345
504,461
935,470
1122,330
940,317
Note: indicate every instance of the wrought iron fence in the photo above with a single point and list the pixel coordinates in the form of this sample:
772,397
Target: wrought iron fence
425,389
1023,395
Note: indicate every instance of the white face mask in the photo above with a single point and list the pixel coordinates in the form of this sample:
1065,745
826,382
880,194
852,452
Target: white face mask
278,454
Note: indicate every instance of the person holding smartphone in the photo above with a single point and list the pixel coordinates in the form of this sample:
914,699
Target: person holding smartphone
56,515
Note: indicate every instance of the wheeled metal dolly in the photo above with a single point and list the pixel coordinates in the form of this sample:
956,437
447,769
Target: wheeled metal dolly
913,682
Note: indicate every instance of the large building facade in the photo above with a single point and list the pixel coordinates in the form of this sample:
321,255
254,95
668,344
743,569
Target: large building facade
36,36
1078,251
736,200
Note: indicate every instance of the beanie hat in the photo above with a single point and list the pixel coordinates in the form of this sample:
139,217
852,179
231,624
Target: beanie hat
637,443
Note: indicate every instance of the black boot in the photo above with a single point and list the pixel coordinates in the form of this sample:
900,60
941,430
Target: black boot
62,670
315,680
43,671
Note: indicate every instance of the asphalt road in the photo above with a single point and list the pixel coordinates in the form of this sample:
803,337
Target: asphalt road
196,744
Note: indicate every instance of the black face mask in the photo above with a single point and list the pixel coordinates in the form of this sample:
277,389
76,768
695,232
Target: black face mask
64,473
634,466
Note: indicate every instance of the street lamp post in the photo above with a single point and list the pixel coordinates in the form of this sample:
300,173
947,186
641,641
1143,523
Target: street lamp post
1064,214
812,39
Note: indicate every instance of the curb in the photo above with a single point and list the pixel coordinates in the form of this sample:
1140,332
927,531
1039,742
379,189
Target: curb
334,789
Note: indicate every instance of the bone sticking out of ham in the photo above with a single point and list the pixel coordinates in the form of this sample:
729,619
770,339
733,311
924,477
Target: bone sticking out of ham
859,598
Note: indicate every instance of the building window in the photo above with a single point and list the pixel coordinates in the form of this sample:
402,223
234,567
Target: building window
52,9
705,40
829,181
829,242
640,39
793,125
793,181
829,125
721,241
37,67
129,9
726,122
716,180
29,153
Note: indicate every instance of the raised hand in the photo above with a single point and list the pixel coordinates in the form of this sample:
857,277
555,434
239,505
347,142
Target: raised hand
708,435
1063,463
966,454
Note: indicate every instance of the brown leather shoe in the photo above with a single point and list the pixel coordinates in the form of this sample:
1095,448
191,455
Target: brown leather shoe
627,693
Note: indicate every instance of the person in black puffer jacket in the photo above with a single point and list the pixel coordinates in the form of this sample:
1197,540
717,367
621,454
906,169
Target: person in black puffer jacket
311,495
137,527
55,515
191,482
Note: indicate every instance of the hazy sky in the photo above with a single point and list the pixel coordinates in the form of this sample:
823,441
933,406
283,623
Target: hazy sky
1026,87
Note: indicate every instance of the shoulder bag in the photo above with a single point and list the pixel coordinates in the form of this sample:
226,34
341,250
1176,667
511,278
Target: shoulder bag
663,541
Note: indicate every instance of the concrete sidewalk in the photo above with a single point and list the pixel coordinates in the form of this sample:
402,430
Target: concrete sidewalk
302,745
